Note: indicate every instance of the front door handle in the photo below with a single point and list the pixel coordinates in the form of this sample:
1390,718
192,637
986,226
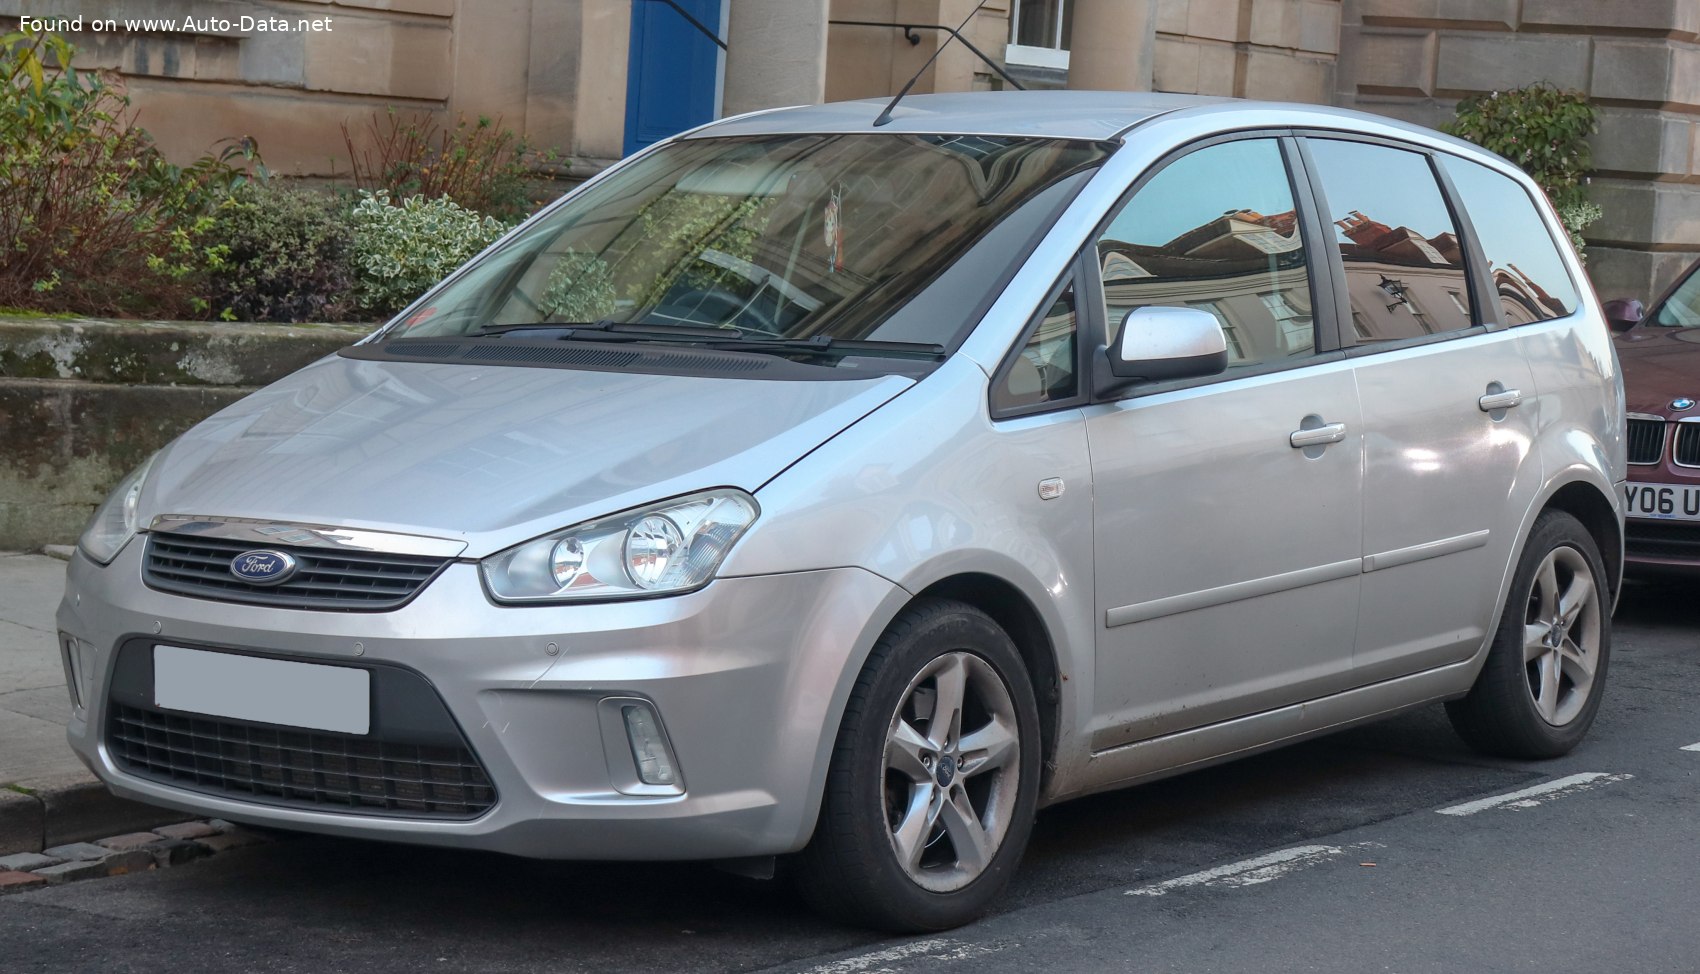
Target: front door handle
1320,436
1500,400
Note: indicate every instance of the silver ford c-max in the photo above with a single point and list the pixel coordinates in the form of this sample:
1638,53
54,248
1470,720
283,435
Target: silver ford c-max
810,487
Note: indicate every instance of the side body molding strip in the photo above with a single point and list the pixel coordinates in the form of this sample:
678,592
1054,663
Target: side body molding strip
1234,592
1287,581
1425,551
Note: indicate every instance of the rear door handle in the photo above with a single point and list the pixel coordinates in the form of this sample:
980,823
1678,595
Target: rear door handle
1320,436
1500,400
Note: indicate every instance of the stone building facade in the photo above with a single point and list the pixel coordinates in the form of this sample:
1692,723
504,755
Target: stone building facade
580,75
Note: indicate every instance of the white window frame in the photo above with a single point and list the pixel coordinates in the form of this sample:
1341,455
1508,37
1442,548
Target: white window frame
1040,57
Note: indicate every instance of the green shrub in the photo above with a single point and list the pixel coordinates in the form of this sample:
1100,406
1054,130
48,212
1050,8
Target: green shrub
1544,130
280,253
401,250
92,218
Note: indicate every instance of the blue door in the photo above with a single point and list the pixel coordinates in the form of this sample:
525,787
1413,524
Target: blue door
674,71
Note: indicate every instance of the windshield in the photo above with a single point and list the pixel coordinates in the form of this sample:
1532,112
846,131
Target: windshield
1683,306
801,241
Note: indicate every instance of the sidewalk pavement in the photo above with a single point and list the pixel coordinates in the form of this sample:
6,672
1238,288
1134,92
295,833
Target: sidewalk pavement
47,797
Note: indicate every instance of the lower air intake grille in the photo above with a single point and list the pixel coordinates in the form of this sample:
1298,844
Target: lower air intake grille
1646,440
329,578
315,769
1665,541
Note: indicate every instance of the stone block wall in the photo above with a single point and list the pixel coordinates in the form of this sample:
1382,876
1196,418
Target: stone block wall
871,62
291,90
1638,61
82,402
538,65
1282,50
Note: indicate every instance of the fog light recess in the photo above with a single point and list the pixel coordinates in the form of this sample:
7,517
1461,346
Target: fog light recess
640,757
70,649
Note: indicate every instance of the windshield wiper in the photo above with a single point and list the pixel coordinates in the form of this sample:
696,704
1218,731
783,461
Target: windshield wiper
826,344
611,330
723,338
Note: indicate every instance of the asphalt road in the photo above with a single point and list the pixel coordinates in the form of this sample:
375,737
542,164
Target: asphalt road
1388,848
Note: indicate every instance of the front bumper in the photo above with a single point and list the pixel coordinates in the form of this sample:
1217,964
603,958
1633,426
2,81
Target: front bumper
749,676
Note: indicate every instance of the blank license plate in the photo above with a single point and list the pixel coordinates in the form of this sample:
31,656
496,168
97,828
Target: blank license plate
1670,501
270,691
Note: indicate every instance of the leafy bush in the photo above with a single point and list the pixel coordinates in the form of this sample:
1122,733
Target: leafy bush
279,253
92,218
1544,130
479,165
401,250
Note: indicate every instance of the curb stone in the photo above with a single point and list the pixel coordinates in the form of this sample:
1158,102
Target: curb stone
21,828
23,862
70,808
117,855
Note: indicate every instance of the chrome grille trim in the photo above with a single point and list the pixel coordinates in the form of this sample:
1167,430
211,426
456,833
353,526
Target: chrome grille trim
258,533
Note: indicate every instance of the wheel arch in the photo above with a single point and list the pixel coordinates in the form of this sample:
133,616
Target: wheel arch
1021,620
1583,500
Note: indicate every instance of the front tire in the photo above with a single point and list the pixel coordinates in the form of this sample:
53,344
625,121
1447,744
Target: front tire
934,779
1541,685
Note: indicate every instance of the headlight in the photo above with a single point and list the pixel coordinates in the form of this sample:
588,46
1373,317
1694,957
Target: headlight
115,522
671,547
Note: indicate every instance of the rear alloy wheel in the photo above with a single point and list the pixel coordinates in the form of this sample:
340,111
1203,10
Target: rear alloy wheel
934,781
1540,687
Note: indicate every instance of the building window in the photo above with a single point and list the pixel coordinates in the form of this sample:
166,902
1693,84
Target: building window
1298,334
1039,32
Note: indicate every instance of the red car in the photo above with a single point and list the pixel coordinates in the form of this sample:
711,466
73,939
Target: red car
1660,354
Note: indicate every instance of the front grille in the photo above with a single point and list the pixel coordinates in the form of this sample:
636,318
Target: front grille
327,579
1646,440
1664,540
315,769
1686,451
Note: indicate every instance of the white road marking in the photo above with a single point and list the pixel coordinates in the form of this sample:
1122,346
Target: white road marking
1691,747
1250,872
933,950
1538,794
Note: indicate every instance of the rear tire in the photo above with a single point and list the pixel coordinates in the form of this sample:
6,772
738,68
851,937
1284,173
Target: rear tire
934,779
1541,685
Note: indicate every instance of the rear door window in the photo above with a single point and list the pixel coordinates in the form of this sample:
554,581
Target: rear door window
1528,270
1405,268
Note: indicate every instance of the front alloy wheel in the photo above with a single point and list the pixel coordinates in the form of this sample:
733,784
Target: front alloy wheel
934,778
953,769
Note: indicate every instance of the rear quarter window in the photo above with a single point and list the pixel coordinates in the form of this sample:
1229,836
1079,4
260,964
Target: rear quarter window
1527,267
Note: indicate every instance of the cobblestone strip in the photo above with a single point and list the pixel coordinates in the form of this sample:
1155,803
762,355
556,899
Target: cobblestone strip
168,845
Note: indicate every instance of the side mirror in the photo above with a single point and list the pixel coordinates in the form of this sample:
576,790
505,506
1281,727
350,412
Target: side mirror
1624,314
1168,343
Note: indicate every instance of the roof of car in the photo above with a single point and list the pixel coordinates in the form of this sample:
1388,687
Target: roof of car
1092,115
1045,114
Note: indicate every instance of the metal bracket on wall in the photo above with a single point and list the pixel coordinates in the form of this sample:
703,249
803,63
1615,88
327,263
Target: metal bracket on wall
711,35
914,39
